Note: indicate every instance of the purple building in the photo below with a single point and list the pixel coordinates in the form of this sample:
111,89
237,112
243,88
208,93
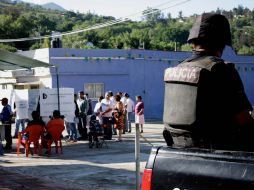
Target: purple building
137,72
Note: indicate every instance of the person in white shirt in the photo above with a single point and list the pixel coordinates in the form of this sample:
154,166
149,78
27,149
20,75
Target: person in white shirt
97,109
130,111
123,98
106,113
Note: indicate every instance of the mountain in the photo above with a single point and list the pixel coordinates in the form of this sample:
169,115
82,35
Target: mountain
53,6
17,1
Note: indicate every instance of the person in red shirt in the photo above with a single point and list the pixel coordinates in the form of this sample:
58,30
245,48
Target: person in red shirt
35,127
34,130
55,126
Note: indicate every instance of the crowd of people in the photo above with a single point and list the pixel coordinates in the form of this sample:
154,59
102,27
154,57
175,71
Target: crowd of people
111,115
114,113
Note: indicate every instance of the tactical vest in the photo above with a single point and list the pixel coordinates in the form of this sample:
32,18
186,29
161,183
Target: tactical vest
185,87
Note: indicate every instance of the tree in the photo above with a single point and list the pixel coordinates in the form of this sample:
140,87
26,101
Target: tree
6,30
152,16
7,47
186,47
246,50
35,46
46,43
180,15
117,42
12,11
153,32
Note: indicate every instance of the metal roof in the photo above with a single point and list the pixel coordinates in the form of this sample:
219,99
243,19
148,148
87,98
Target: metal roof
12,61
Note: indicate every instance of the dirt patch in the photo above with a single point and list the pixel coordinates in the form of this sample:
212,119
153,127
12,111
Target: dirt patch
11,180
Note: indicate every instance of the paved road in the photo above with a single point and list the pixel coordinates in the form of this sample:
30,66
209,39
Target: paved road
79,167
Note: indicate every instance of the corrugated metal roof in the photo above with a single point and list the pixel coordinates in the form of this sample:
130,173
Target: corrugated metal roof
12,61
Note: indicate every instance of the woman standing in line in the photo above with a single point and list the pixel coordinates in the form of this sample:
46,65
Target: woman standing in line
139,112
118,114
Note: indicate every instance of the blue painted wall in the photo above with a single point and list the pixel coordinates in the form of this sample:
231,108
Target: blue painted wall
138,72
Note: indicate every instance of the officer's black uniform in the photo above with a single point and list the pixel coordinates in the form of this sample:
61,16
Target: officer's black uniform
203,94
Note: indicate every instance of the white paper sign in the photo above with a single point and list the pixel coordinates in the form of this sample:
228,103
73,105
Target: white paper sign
49,101
33,99
21,102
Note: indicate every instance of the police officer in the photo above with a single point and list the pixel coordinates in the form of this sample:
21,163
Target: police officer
205,104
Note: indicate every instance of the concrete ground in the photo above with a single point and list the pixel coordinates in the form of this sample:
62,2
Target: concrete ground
79,167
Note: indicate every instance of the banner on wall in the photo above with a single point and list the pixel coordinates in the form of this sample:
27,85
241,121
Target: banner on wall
49,101
21,103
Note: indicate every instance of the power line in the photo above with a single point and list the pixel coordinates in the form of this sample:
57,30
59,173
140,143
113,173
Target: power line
97,26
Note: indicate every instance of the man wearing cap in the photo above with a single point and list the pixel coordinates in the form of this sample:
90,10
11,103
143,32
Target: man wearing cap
6,116
205,104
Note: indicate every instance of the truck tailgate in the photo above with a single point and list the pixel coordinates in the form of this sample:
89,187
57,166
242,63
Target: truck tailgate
202,169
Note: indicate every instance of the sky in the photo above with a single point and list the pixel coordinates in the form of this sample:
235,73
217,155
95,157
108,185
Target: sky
133,8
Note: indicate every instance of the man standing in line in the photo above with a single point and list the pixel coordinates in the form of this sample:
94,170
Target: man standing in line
106,113
5,117
130,110
83,108
89,110
112,99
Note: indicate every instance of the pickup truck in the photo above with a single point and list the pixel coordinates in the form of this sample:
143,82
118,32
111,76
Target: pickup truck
199,169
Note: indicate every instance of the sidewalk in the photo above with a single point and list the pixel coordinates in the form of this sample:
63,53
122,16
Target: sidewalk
80,167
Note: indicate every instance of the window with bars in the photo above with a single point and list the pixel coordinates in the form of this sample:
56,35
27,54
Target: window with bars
94,90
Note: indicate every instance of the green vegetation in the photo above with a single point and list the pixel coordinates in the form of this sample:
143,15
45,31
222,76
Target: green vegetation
154,32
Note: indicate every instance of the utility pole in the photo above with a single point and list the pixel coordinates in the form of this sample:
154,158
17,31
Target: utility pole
137,156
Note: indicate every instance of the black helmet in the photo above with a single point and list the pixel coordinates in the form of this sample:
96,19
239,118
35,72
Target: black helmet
211,28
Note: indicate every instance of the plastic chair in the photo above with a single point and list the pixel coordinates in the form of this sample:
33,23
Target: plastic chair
34,137
56,138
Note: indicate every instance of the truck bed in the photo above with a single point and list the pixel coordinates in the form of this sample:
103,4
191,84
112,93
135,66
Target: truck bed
200,169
